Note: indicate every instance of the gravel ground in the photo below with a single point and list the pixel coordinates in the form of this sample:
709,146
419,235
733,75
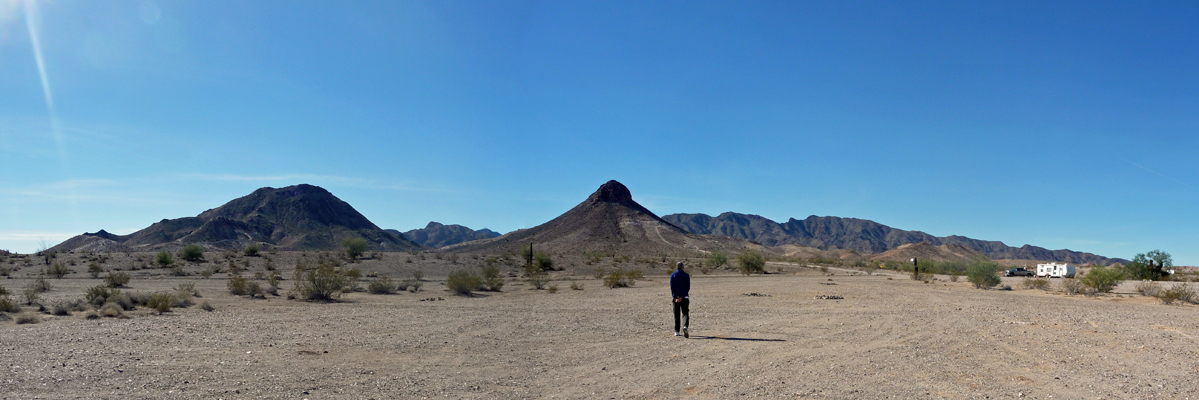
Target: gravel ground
888,338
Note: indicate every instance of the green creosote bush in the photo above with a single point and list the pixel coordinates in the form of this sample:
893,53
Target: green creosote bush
98,295
318,280
751,262
57,270
1035,283
192,253
536,276
354,247
241,286
463,282
1180,291
1102,279
116,279
251,250
414,283
982,275
164,259
8,306
715,260
160,301
491,278
622,278
381,285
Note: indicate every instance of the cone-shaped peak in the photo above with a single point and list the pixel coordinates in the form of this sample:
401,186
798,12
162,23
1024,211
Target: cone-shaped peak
612,192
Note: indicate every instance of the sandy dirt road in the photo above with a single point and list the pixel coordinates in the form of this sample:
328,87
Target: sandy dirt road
888,338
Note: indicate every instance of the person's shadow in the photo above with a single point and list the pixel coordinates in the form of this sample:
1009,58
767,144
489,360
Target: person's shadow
736,338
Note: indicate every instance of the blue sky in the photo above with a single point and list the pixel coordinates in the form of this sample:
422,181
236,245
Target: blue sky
1057,124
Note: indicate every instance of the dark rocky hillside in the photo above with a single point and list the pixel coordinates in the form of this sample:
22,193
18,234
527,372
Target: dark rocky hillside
300,217
829,233
608,222
436,235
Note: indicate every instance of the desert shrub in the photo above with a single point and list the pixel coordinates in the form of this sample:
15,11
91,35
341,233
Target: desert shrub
98,295
32,296
111,310
273,279
7,305
354,247
241,286
619,278
60,309
954,277
57,270
633,276
192,253
1180,291
553,288
205,306
715,260
1148,288
95,269
1035,283
381,285
352,276
1102,279
982,275
414,283
206,273
751,262
543,261
536,276
321,281
41,285
3,291
251,250
116,279
491,278
1071,286
27,318
160,301
576,285
463,282
164,259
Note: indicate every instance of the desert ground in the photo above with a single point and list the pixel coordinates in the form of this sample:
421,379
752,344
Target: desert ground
889,337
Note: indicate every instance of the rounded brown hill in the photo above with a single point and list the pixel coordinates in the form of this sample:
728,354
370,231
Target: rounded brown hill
926,251
299,217
608,222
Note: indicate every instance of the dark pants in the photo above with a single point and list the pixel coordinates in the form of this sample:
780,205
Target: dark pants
681,305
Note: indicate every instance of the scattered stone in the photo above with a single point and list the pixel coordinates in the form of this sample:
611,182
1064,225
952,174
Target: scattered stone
755,294
829,297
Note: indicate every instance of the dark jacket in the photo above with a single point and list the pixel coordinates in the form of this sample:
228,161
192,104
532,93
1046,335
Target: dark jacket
680,284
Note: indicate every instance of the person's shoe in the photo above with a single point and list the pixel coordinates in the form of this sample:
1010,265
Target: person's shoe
685,334
676,333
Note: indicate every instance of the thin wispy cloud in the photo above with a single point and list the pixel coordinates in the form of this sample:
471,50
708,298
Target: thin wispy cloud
1157,173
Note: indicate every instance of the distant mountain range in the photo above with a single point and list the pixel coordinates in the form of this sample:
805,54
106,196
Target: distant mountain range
296,217
306,217
436,235
830,233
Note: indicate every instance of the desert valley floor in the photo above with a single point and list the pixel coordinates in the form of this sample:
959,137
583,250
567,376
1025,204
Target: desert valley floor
889,337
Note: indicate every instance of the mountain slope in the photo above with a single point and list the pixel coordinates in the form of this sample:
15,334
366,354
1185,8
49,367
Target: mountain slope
828,233
300,217
437,235
607,222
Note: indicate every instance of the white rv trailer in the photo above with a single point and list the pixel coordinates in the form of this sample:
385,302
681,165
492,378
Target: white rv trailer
1055,270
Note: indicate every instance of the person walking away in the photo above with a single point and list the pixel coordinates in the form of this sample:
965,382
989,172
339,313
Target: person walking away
680,284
